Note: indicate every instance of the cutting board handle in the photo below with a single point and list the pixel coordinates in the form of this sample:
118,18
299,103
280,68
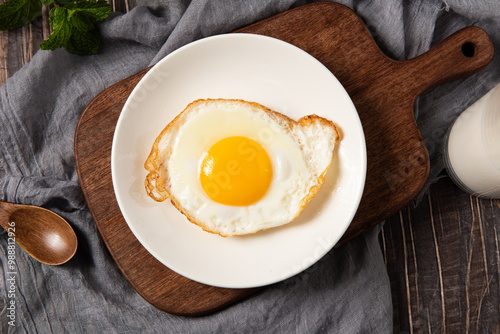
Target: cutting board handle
464,53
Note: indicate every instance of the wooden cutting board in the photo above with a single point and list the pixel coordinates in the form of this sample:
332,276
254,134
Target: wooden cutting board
383,91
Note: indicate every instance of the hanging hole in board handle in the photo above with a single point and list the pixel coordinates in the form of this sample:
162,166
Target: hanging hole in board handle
468,49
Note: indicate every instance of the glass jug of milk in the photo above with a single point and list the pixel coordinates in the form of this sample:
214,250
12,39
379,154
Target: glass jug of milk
472,147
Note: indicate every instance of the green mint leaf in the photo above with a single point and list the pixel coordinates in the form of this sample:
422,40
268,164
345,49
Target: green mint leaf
84,43
96,10
47,2
16,13
61,29
82,22
74,26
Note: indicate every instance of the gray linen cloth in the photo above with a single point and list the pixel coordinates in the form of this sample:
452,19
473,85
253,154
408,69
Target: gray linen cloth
347,291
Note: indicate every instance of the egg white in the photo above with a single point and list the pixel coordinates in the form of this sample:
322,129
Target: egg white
300,155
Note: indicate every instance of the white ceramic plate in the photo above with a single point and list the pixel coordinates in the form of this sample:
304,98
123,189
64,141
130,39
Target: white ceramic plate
254,68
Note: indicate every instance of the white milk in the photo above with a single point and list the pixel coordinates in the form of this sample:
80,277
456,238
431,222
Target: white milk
472,149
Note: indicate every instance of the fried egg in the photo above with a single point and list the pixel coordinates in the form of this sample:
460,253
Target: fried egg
234,167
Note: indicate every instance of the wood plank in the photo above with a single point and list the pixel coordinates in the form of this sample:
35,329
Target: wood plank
18,46
447,277
4,45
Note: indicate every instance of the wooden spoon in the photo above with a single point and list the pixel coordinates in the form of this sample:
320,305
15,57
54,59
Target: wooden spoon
43,234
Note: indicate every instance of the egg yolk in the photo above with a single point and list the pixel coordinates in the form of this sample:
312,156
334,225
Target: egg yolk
236,171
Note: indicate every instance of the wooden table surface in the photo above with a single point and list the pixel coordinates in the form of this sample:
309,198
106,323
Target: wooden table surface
442,256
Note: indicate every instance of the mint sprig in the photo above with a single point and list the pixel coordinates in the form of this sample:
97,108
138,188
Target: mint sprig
16,13
73,23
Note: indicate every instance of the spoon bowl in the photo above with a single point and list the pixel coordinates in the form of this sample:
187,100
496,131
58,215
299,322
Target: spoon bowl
43,234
